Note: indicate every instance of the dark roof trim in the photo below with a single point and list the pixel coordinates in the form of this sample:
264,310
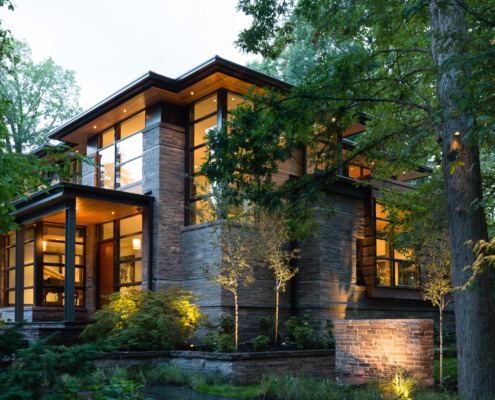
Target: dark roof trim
152,79
66,190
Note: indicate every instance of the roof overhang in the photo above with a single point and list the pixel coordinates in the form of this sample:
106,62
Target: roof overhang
93,205
152,88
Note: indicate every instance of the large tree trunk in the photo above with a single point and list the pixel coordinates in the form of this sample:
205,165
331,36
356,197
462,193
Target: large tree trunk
475,308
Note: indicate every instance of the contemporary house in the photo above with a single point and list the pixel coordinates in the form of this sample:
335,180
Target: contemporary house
126,222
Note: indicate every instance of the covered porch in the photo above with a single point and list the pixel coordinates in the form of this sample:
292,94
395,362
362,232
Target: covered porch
75,245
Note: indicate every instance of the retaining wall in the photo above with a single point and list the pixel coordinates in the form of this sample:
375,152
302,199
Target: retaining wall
237,368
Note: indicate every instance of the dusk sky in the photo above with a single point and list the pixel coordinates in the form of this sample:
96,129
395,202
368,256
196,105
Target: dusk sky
110,43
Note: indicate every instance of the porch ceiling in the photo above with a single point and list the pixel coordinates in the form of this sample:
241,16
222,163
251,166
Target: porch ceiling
91,212
93,205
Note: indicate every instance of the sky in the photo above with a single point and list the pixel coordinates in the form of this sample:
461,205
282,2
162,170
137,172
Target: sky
110,43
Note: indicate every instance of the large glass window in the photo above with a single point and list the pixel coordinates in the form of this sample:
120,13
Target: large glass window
120,153
130,253
29,266
393,268
204,117
54,265
128,260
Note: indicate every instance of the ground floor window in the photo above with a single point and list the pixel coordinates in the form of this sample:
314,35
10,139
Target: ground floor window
121,254
43,265
393,267
53,247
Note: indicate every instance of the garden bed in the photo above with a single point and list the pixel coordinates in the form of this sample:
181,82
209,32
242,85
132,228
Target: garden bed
235,368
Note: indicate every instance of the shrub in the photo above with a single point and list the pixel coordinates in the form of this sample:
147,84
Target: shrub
227,324
145,320
42,370
293,322
305,337
220,343
400,386
11,340
267,326
226,343
261,343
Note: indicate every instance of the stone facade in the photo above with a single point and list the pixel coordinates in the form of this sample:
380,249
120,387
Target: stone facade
367,350
199,255
164,178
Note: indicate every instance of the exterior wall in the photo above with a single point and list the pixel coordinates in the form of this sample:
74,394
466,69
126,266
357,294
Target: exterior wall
326,281
371,349
164,179
255,301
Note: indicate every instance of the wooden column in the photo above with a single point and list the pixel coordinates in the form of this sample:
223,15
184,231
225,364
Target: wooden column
70,261
19,275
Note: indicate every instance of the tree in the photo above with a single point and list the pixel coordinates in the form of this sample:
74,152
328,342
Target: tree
233,236
21,174
40,96
422,72
272,243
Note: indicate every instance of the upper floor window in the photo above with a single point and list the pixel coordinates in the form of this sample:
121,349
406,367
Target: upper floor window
205,116
393,267
120,151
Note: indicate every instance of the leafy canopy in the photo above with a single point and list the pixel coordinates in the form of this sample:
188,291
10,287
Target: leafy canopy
39,96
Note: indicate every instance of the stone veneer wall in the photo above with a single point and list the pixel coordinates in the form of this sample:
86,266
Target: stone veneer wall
326,281
237,368
371,349
255,301
164,179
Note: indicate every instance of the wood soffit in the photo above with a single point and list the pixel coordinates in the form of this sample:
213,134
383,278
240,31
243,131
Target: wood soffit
153,88
93,205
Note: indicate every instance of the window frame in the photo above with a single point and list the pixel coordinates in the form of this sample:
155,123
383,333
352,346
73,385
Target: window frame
395,263
114,145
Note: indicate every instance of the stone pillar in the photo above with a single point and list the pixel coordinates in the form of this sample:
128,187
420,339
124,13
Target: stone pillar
164,179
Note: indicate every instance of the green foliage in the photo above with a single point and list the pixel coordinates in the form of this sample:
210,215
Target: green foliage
299,330
219,343
267,325
400,386
11,340
261,343
145,320
293,322
40,96
117,389
305,337
227,324
42,370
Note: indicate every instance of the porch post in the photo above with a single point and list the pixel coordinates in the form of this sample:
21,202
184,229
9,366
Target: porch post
19,275
70,261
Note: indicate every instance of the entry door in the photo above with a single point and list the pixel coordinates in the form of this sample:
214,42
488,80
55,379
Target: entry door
106,272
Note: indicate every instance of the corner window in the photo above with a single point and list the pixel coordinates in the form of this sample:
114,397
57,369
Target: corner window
120,153
53,246
393,268
204,116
